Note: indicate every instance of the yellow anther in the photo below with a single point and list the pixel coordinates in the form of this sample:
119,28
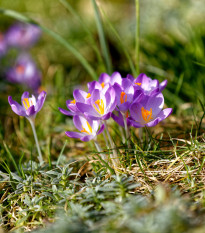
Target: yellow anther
88,95
139,84
127,114
103,85
89,127
101,107
26,103
122,99
146,115
73,101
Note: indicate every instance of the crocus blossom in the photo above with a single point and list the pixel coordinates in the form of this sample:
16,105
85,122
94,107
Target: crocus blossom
148,85
30,106
25,72
23,35
148,112
88,128
101,104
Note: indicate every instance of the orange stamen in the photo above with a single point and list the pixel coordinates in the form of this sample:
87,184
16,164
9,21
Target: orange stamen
89,127
127,114
139,84
73,101
122,100
88,95
103,85
146,115
100,105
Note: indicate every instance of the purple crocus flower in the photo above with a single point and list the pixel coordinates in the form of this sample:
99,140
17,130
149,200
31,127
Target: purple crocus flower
23,35
88,128
148,112
148,85
118,117
30,106
100,106
3,45
79,96
25,72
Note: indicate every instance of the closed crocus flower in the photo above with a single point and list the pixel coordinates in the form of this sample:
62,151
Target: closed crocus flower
88,128
148,111
23,35
25,72
29,106
148,85
100,106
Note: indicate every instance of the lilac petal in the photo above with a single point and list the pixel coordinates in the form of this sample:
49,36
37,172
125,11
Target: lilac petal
127,84
115,78
124,107
101,129
87,138
130,77
113,101
138,96
66,112
40,101
106,116
86,108
118,119
74,134
25,95
118,91
79,95
77,120
104,78
162,85
135,124
95,96
155,103
135,111
16,107
161,116
31,111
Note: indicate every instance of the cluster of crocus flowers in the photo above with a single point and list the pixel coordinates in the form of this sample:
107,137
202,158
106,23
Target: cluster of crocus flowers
28,108
22,69
130,101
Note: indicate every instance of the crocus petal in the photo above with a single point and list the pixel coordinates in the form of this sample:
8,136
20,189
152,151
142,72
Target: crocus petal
66,112
101,129
104,78
79,121
124,107
106,116
40,101
161,116
162,85
16,107
87,138
115,78
31,111
118,119
135,124
79,95
86,108
74,134
25,95
155,103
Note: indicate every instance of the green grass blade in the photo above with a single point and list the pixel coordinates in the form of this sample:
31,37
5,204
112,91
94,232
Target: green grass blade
137,36
101,34
20,166
12,158
93,43
123,47
61,153
56,36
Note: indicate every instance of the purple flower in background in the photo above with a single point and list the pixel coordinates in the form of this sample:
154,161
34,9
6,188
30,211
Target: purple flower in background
148,85
148,111
100,105
29,105
25,72
88,128
118,117
3,45
23,35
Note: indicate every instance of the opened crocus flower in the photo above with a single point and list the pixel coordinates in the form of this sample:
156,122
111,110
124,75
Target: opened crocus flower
29,108
25,72
88,128
148,85
79,96
101,104
23,35
148,111
30,105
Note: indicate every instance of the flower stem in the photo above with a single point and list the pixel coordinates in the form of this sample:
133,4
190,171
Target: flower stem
126,129
114,158
40,158
99,149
